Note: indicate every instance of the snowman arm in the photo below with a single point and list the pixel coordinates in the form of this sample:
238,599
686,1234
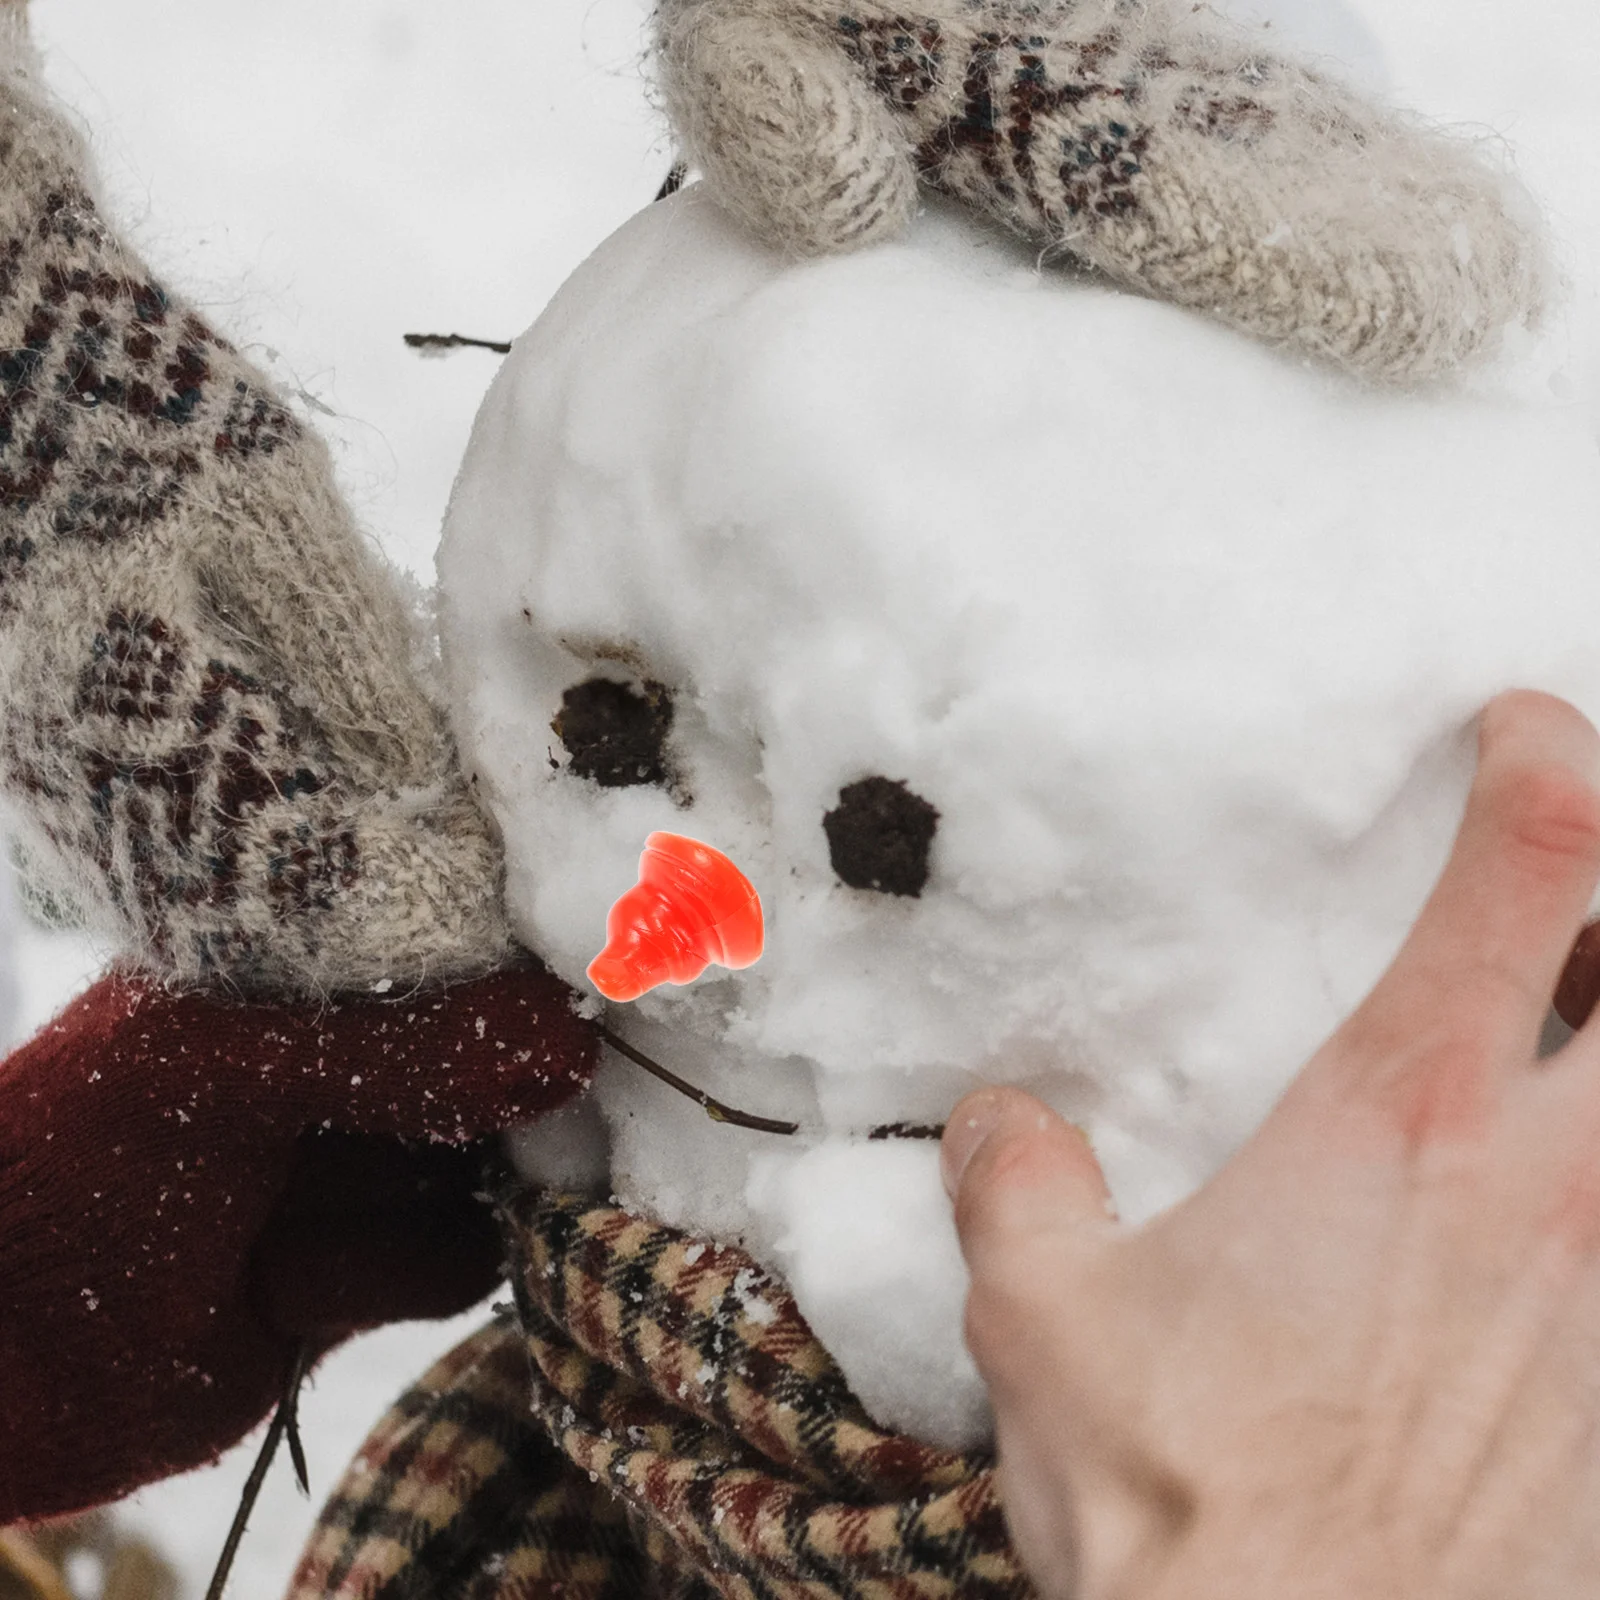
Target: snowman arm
214,739
1154,143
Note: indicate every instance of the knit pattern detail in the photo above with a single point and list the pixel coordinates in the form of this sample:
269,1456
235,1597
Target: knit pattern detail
688,1398
1149,139
216,738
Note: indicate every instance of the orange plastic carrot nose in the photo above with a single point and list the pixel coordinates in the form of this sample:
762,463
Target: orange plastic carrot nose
691,907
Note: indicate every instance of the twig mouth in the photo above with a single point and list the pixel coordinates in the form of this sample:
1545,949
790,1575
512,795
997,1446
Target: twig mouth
716,1109
721,1111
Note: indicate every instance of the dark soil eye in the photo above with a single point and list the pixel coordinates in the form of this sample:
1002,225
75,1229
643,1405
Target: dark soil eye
615,733
878,836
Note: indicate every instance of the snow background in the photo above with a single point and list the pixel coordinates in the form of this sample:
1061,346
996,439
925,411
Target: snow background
324,178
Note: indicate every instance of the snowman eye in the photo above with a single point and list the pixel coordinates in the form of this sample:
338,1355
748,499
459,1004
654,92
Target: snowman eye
615,733
878,836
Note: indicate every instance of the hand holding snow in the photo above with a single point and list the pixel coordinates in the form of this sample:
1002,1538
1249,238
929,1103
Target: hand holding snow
1362,1360
1179,639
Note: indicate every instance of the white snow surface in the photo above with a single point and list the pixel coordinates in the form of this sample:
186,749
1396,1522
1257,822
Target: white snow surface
1184,641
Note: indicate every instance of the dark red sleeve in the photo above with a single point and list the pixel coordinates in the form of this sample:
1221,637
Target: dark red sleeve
189,1186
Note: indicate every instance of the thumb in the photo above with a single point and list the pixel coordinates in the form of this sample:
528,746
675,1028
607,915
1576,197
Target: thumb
1029,1195
1019,1174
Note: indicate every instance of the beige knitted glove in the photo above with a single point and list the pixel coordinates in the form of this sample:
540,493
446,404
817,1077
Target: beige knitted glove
1150,139
215,731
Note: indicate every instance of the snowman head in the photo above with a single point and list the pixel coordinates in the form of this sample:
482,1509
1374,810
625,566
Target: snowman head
1086,691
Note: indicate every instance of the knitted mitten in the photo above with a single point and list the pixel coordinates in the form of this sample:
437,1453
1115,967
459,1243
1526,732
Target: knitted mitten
190,1187
1151,139
215,731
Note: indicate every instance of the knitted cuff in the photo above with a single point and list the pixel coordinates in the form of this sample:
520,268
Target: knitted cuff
215,738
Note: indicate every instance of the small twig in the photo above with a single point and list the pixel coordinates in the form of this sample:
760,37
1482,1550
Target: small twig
455,341
673,181
907,1130
285,1420
291,1431
670,185
719,1111
713,1108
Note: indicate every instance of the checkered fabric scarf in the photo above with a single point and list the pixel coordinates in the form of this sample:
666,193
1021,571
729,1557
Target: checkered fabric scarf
662,1426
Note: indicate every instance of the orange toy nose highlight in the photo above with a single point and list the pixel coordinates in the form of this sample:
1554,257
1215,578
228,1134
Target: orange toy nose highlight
690,908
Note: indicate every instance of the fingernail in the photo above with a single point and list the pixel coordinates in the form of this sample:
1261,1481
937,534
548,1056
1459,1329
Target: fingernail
969,1125
1543,727
1579,988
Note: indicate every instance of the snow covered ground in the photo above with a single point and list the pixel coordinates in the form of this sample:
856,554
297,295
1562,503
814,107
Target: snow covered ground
325,178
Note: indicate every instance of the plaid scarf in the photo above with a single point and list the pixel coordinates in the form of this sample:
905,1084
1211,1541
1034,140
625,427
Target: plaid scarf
657,1424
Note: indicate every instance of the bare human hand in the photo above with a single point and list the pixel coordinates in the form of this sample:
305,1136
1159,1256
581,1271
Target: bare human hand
1365,1359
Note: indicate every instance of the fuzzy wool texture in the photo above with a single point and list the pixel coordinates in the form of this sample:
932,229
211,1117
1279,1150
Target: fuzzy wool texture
218,738
1155,142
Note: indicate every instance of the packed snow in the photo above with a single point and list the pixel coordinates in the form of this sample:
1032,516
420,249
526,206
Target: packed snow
1181,639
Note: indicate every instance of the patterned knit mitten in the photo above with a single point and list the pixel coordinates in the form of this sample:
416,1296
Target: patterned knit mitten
1150,139
214,725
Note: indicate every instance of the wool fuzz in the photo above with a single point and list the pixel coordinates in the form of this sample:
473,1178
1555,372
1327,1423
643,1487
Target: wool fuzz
1149,139
217,740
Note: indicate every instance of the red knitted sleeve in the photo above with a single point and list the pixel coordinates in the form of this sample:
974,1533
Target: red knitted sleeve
189,1186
